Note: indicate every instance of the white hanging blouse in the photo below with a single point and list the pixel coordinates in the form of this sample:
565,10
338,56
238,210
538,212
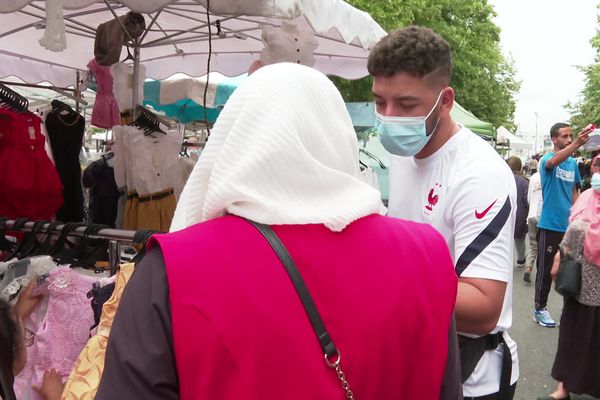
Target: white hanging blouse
145,164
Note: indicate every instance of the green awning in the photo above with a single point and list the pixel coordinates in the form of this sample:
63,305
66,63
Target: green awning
466,118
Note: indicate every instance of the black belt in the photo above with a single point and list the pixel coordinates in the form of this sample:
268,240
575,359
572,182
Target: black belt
471,351
153,196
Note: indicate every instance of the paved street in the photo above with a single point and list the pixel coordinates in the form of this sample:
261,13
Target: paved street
537,345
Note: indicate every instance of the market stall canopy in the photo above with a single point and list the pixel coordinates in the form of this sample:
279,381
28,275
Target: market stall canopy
363,117
515,142
176,39
466,118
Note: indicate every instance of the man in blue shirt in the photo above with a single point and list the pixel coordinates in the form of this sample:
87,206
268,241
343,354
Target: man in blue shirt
560,181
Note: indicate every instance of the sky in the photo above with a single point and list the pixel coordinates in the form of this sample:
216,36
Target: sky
547,39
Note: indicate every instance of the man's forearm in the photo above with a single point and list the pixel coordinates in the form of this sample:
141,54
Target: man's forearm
561,155
477,312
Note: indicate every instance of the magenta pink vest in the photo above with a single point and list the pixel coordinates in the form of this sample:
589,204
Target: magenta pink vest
384,287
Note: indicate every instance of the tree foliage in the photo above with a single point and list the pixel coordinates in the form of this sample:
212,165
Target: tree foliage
587,109
483,78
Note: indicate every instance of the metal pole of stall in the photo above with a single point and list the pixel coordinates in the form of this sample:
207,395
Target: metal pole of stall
136,76
77,92
114,256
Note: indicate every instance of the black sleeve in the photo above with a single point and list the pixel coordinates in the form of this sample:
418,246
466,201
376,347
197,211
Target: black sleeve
87,179
451,385
140,361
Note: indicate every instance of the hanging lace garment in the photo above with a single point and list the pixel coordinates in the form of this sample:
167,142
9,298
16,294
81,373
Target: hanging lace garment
62,333
84,379
54,38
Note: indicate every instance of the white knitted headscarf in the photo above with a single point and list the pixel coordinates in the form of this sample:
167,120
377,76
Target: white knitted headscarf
282,152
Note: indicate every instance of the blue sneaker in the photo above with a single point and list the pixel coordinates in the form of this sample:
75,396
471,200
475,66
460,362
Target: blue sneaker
543,318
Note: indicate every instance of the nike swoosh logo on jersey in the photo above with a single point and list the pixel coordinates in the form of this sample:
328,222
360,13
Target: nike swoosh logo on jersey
482,214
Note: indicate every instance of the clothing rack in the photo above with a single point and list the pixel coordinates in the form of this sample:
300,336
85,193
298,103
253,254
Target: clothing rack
116,237
71,93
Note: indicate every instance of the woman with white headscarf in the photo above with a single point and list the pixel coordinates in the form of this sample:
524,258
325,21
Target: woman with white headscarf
211,313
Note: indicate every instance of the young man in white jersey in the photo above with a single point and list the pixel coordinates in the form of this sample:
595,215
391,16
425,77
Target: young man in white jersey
443,174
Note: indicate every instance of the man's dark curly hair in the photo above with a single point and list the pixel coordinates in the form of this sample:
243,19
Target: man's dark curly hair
415,50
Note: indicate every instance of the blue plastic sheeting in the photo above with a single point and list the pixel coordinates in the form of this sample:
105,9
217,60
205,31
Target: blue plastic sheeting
187,110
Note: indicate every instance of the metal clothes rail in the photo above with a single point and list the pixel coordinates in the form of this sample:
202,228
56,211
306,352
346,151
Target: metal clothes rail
116,237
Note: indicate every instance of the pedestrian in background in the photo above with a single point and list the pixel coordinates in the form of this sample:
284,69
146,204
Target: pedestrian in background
522,183
560,181
533,165
534,199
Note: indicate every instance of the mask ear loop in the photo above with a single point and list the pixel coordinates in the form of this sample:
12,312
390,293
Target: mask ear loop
438,119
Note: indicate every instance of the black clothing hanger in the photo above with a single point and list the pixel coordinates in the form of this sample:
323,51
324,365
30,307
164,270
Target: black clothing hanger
107,156
5,244
140,238
147,121
19,223
63,244
129,56
43,248
59,106
88,251
30,243
12,100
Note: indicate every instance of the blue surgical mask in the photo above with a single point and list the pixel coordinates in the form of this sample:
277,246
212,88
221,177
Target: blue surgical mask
405,136
596,182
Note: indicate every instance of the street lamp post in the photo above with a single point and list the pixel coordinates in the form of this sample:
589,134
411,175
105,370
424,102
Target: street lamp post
536,132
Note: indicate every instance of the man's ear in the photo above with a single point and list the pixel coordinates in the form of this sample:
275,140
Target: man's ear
447,101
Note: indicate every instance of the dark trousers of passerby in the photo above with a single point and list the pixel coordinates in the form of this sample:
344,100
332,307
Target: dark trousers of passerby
548,242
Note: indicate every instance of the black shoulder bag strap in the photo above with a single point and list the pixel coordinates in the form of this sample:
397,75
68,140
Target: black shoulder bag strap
331,353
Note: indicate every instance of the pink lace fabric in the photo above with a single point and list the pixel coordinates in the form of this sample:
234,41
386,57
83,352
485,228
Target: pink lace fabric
62,333
106,111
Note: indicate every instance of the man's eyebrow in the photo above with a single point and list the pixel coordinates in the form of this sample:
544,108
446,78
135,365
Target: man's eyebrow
400,98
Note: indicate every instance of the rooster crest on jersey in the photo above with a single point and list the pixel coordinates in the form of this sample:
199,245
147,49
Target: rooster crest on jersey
432,198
